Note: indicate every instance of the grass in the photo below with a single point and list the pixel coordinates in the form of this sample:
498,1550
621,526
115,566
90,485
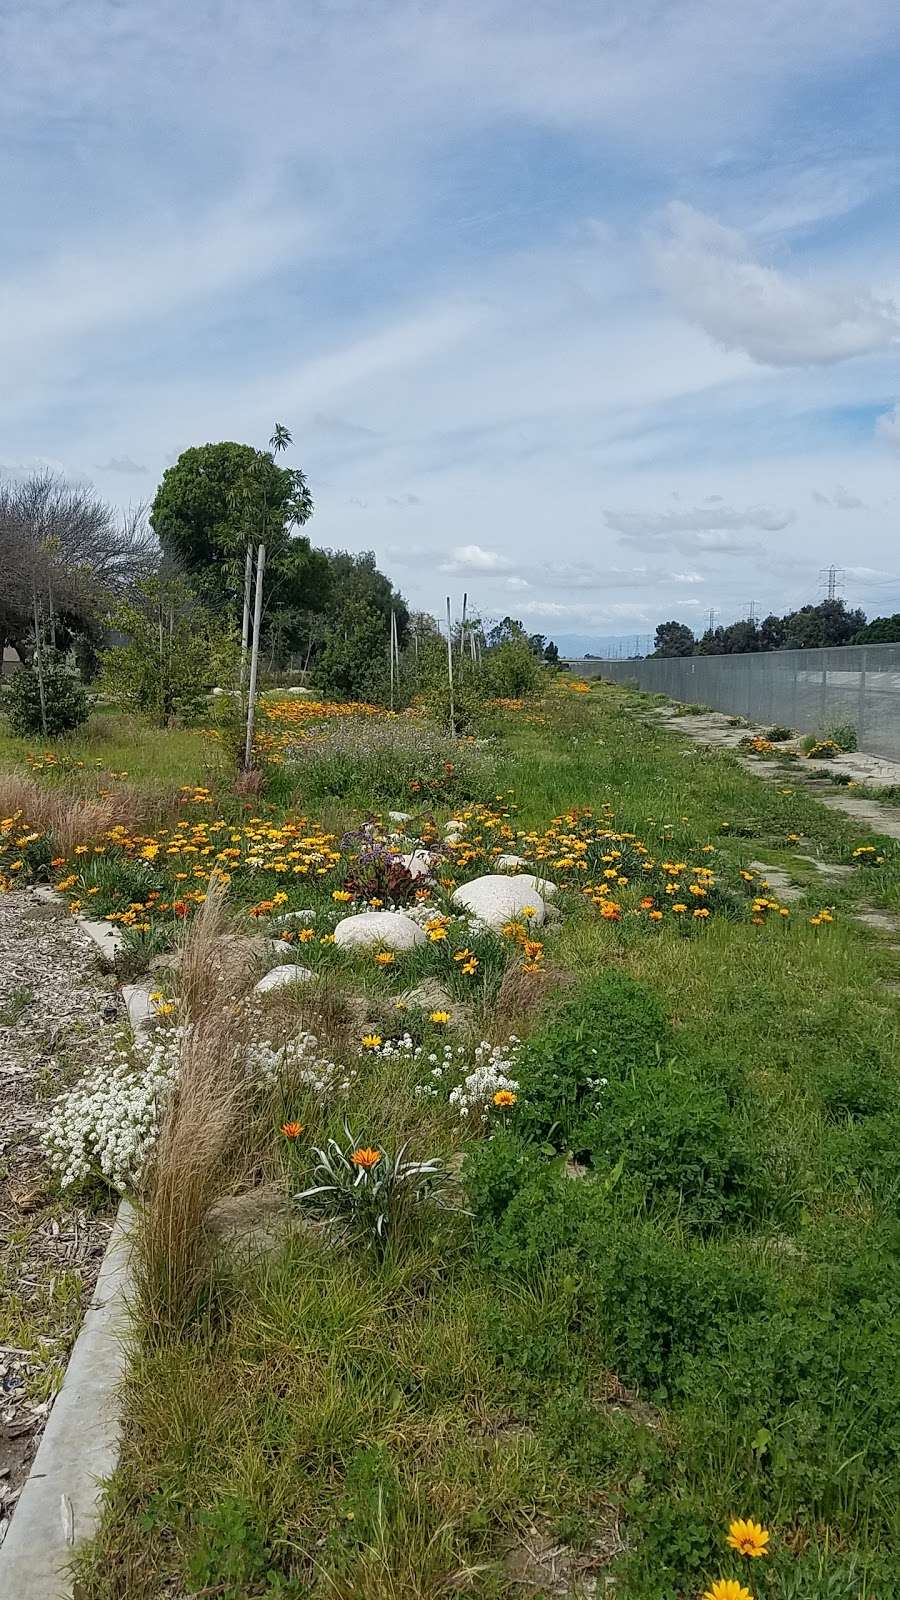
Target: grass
583,1381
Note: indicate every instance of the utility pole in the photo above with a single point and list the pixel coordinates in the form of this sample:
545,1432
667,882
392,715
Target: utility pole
831,578
450,668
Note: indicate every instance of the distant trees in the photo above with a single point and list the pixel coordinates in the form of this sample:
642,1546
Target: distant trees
674,639
809,628
881,630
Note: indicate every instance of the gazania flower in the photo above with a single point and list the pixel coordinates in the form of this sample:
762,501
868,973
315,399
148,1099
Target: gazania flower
610,912
701,912
440,1017
367,1159
656,916
341,895
437,934
470,967
371,1041
504,1097
727,1589
750,1538
647,904
292,1130
385,958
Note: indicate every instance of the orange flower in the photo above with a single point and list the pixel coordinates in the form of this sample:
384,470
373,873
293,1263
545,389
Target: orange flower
504,1097
647,904
367,1159
610,912
292,1130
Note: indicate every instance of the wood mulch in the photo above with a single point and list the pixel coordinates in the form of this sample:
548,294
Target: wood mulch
58,1011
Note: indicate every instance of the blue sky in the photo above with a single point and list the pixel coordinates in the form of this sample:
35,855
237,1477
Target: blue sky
589,310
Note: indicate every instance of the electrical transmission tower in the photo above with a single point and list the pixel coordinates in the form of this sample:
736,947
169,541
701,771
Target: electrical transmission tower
712,619
752,612
831,578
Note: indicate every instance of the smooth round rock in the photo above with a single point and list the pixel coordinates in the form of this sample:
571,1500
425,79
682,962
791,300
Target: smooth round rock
495,898
392,930
418,863
281,977
508,862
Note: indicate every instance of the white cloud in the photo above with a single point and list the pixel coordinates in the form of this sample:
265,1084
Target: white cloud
121,464
840,499
888,428
713,277
710,530
473,558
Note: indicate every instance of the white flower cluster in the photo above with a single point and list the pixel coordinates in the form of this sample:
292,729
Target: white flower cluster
109,1122
490,1069
300,1061
402,1049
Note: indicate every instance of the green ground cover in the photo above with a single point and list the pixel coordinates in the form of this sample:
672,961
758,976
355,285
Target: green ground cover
668,1294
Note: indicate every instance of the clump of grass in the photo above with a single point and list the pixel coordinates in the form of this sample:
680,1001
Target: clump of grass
69,817
201,1128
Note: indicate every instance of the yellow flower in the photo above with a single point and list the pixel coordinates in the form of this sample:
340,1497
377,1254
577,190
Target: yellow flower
529,911
750,1538
341,895
367,1159
385,958
727,1589
471,966
701,912
440,1017
504,1097
372,1041
656,916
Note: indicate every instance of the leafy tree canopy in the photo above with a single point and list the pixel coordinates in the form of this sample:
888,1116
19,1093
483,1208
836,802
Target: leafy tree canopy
219,497
881,630
674,639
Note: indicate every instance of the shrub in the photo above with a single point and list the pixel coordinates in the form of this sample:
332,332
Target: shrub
608,1029
512,670
843,734
65,701
394,759
779,733
679,1140
177,652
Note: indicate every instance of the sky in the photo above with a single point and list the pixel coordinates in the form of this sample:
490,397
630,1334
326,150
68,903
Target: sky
589,311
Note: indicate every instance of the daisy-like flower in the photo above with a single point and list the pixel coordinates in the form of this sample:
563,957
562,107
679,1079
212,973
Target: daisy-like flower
504,1098
440,1017
372,1041
470,967
367,1159
341,895
292,1130
701,912
385,958
750,1538
727,1589
437,934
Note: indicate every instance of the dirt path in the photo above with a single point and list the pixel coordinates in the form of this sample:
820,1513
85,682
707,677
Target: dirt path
57,1010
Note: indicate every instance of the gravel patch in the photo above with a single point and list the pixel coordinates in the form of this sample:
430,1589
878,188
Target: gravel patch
57,1010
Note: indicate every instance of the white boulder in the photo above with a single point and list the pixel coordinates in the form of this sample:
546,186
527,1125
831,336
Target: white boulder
392,930
400,816
508,862
495,898
418,863
281,977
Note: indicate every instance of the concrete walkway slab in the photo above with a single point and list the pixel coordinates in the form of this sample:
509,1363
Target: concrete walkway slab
58,1507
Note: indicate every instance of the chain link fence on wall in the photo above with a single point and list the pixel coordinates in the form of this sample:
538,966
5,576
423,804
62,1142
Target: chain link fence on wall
811,691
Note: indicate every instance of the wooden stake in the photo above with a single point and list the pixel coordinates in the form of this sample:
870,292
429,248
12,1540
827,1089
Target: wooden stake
450,669
254,655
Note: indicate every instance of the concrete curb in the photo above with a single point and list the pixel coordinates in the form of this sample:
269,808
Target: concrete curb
59,1505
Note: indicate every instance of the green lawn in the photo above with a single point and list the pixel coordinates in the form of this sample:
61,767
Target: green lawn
575,1388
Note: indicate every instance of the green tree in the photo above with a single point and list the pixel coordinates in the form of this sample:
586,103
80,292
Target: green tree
355,579
512,669
216,497
673,639
828,623
176,651
353,662
881,630
45,697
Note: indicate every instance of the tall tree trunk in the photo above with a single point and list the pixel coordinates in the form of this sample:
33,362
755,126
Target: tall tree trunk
254,655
